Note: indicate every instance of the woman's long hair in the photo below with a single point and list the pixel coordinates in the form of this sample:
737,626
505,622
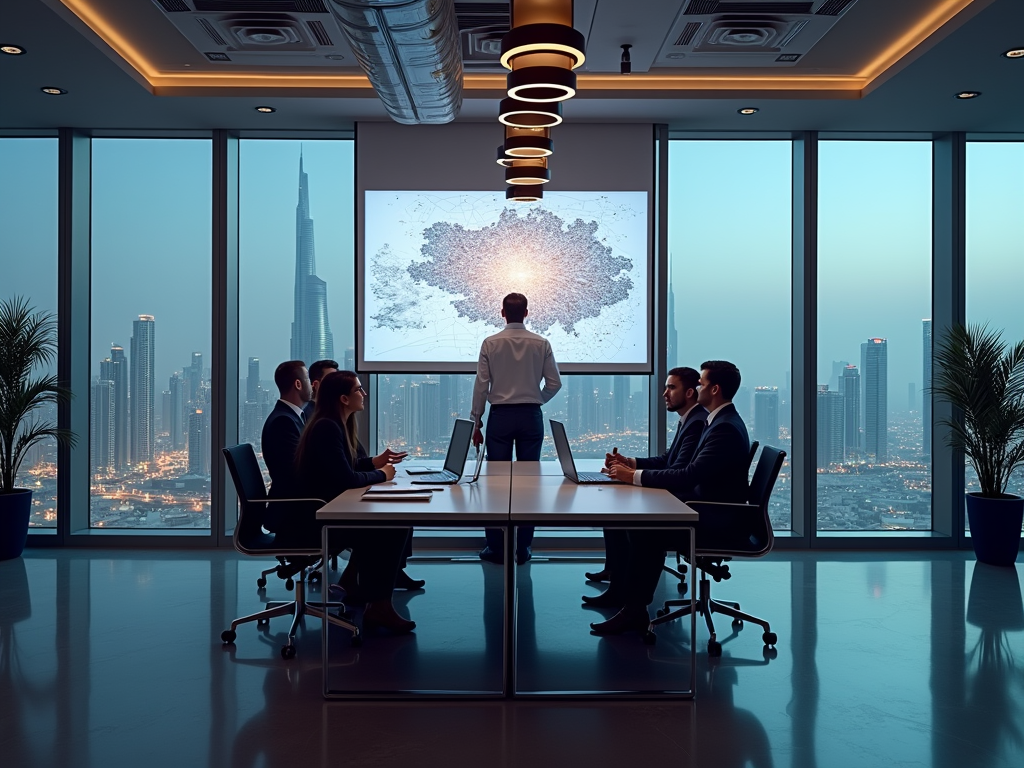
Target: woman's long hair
328,406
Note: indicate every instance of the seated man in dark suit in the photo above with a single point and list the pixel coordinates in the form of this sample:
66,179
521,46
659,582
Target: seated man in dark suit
717,472
680,397
281,433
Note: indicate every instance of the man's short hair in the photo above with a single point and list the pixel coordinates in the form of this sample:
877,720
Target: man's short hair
286,374
688,376
725,375
515,307
316,370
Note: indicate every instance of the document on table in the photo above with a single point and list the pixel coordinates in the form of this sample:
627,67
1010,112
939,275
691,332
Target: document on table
386,490
407,496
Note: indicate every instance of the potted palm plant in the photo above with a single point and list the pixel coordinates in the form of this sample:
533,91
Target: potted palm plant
983,379
28,340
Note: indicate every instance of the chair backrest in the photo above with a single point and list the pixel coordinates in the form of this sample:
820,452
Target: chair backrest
252,494
765,475
753,452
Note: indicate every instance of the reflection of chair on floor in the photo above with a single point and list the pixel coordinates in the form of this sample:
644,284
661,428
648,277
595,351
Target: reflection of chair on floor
680,570
250,539
740,530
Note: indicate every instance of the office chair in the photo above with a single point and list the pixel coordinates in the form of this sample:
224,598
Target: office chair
250,539
749,535
680,570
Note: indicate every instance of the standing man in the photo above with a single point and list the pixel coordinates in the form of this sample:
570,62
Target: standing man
281,433
508,375
680,397
317,371
718,472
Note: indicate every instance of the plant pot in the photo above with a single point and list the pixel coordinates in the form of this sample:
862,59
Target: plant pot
995,527
14,512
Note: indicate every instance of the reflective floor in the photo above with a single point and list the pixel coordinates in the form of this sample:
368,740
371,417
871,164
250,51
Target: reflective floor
114,659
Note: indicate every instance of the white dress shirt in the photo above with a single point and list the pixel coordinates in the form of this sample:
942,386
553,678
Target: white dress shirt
509,371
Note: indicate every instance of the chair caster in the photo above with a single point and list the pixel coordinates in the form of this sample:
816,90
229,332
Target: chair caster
228,637
288,652
650,638
737,623
770,638
681,587
261,583
289,584
769,653
714,648
262,622
357,641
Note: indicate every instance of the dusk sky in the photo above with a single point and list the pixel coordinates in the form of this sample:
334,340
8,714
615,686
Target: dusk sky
729,240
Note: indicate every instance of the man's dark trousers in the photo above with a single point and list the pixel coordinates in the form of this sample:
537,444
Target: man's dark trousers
523,427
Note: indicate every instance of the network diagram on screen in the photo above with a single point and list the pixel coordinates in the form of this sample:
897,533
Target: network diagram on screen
437,265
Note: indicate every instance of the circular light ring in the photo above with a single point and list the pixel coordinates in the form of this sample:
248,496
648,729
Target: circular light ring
521,114
52,90
964,95
541,84
525,194
1014,53
503,160
13,50
543,38
528,146
527,176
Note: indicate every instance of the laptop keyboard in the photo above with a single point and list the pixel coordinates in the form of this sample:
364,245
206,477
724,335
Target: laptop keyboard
435,477
593,477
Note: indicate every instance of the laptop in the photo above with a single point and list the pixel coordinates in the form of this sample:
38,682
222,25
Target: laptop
458,449
479,464
566,460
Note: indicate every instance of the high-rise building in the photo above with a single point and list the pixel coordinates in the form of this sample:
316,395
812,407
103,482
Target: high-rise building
766,415
429,429
672,347
830,426
874,368
101,427
926,388
198,443
176,427
194,378
252,381
143,389
312,339
115,369
849,388
349,362
620,402
837,371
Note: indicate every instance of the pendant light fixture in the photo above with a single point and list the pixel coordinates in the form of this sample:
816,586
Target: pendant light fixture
531,172
541,50
524,194
528,142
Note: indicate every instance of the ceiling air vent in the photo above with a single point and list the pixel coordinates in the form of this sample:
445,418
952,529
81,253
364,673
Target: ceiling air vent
266,33
481,27
748,33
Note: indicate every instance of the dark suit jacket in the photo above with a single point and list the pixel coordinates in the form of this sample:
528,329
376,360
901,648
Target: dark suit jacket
718,470
281,433
684,444
308,408
327,469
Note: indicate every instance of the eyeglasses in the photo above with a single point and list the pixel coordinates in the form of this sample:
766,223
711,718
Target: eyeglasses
362,390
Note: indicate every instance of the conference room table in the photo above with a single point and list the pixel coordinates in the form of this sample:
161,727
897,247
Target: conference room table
507,495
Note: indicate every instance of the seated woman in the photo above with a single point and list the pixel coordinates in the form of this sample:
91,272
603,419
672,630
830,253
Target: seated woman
330,461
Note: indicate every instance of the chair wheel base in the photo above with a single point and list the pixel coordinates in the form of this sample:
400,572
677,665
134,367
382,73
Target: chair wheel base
714,648
288,652
228,637
261,583
737,623
681,587
770,638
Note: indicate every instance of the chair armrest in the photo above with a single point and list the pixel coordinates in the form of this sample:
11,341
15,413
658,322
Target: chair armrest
292,501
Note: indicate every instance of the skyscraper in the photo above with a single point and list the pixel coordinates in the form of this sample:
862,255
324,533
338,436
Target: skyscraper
194,377
672,347
198,443
176,427
143,389
252,381
766,415
101,426
830,426
311,332
849,388
874,377
926,385
115,369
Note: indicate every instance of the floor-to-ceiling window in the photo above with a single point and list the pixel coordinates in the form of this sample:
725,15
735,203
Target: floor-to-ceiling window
730,256
296,241
995,249
28,252
874,334
150,336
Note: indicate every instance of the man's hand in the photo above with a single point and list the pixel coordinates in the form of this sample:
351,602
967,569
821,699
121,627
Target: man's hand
620,472
388,457
617,459
389,471
478,436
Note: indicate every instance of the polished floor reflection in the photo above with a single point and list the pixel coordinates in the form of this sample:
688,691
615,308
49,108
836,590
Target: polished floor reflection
114,659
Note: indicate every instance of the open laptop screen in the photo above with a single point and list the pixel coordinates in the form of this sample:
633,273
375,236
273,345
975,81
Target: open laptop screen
458,448
563,450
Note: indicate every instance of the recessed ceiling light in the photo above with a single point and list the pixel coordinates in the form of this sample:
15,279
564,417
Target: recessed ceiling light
967,94
53,91
748,111
1015,53
266,110
16,50
335,57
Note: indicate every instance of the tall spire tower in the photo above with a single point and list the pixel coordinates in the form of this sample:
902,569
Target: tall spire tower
312,339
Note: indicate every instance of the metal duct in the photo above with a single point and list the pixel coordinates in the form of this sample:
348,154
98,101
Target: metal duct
410,51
